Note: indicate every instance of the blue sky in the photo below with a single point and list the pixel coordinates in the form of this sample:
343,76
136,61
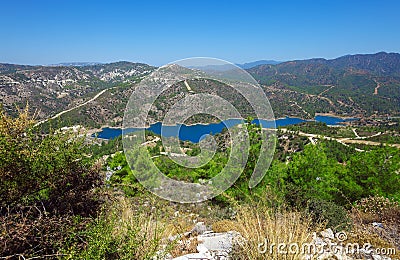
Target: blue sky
158,32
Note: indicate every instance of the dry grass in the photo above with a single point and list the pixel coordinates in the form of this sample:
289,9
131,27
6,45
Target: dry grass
124,230
376,237
186,245
146,221
256,223
14,127
377,209
225,225
381,210
159,226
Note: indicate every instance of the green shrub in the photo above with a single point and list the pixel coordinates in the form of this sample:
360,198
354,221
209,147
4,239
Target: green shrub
334,216
122,231
46,180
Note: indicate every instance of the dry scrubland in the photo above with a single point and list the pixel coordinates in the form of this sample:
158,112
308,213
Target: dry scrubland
54,204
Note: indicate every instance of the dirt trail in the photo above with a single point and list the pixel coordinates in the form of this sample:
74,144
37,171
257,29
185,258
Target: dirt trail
378,85
352,141
305,94
301,108
326,90
187,86
355,133
70,109
345,141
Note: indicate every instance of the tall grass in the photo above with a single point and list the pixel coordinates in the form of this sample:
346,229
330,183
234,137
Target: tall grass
263,230
123,231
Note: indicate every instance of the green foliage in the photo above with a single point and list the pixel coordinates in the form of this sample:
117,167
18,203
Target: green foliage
329,213
313,174
121,232
338,151
377,172
108,147
240,190
274,182
46,182
35,167
326,171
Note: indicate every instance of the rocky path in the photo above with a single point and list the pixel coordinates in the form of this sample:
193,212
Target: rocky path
326,90
187,86
345,141
322,245
378,85
70,109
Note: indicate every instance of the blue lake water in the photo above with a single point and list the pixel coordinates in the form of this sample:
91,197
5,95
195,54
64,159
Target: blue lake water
194,133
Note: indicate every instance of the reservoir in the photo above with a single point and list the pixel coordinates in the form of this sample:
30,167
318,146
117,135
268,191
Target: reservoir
193,133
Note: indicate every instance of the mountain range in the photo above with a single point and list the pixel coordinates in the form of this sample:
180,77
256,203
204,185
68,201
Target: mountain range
49,89
250,65
359,85
352,85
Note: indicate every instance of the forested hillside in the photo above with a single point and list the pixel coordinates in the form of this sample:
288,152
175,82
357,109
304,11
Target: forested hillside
351,85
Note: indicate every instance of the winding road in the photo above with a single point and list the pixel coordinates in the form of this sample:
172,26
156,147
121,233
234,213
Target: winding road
378,85
70,109
344,141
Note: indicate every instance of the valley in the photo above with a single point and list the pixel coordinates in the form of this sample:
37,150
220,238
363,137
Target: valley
208,130
335,160
343,87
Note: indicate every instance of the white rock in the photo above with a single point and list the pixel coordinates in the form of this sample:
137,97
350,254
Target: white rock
326,255
200,228
202,249
193,256
377,224
376,257
327,233
218,241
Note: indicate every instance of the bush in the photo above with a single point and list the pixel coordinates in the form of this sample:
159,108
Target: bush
46,184
122,231
37,167
378,209
258,224
334,216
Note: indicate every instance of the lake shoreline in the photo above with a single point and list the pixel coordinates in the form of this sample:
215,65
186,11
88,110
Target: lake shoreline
94,130
192,132
335,115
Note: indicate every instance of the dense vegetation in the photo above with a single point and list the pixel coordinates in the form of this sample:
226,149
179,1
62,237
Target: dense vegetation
345,85
53,201
354,85
47,187
327,172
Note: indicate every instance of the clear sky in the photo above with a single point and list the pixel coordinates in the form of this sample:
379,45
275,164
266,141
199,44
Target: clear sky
158,32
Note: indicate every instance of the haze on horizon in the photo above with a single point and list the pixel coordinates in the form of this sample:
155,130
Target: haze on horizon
48,32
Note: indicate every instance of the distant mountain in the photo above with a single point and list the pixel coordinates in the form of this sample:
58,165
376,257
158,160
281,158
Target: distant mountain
75,64
121,71
380,64
364,84
352,85
256,63
5,67
50,89
322,71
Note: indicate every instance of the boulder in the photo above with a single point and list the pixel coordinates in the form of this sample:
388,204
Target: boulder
327,233
200,228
